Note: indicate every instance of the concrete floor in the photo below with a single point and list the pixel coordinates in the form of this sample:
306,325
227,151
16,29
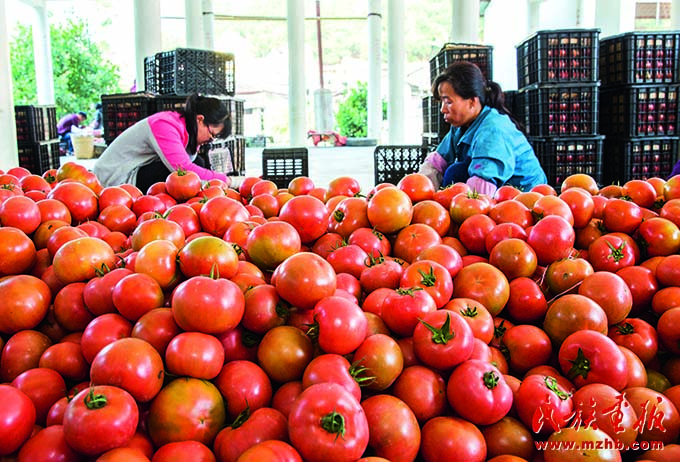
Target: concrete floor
325,164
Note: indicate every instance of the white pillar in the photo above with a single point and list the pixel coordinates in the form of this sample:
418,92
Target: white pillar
208,25
9,156
42,51
465,21
396,60
615,16
297,101
533,15
147,14
373,97
193,22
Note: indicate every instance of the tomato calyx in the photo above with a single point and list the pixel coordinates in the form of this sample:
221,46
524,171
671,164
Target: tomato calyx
616,252
625,328
499,330
93,401
373,260
408,291
237,248
441,335
249,339
338,216
242,417
551,383
469,312
102,270
581,366
356,369
181,171
658,204
490,379
428,279
334,422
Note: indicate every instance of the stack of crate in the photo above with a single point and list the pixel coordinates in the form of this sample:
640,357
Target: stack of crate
37,139
557,101
639,111
121,111
434,125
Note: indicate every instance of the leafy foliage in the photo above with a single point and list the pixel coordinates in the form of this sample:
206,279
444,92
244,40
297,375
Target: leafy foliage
352,115
81,75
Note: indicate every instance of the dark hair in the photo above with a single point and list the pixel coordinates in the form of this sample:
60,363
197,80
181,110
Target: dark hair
214,112
82,114
468,82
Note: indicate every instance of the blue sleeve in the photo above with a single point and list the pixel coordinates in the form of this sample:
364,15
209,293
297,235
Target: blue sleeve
445,148
492,156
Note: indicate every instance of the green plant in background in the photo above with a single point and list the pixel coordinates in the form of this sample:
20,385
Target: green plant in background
352,115
81,75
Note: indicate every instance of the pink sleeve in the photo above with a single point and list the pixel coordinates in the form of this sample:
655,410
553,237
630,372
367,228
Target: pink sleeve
172,138
481,186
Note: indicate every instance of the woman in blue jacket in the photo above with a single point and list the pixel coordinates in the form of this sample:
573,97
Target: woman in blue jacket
485,147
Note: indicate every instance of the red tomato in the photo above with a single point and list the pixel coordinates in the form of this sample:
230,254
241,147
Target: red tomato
341,325
326,422
433,214
550,204
382,359
509,436
466,204
393,429
581,204
659,236
263,424
183,184
67,359
571,313
220,212
451,438
638,336
308,215
389,210
204,304
527,301
478,393
102,331
514,257
157,327
308,270
484,283
17,252
17,418
668,271
110,411
611,292
423,390
402,308
543,404
284,352
136,294
79,259
245,386
269,244
183,450
347,216
193,354
622,216
81,201
668,329
442,339
22,352
552,238
20,212
418,187
474,231
48,445
25,302
564,276
476,315
195,407
157,229
658,419
611,252
525,347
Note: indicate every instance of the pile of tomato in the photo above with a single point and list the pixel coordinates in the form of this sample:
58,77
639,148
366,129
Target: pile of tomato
199,322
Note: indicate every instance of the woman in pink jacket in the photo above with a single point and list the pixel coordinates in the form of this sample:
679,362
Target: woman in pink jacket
148,151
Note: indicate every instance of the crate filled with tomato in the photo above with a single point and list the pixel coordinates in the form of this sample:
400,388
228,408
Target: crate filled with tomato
319,322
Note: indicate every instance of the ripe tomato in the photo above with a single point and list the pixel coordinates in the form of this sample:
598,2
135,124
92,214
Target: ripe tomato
204,304
658,419
393,428
442,339
550,204
308,215
249,429
526,346
552,238
20,212
611,292
451,438
80,200
383,360
543,404
423,390
195,407
308,270
48,445
389,210
484,283
509,436
433,214
245,386
22,352
194,354
79,259
284,352
219,213
326,422
659,237
341,325
514,257
466,204
183,184
269,244
611,252
348,215
511,211
638,336
621,215
17,253
17,418
26,300
581,204
331,367
571,313
402,308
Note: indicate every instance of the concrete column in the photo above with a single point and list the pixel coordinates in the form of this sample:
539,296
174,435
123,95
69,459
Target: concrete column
675,14
208,25
297,101
374,101
42,51
533,15
396,59
9,156
193,14
615,16
465,21
147,14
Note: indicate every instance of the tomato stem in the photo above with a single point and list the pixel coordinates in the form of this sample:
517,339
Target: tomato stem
429,279
242,417
552,385
443,334
334,422
93,401
617,252
625,328
491,379
580,366
356,369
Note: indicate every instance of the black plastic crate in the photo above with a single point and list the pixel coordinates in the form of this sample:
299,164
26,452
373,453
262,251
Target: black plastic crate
481,55
226,156
392,163
510,101
639,110
431,142
640,57
35,123
176,103
561,157
183,71
639,158
281,165
554,56
433,119
123,110
559,109
38,157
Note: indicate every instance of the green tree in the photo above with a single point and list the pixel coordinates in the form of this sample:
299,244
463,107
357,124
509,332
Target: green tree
352,116
81,75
